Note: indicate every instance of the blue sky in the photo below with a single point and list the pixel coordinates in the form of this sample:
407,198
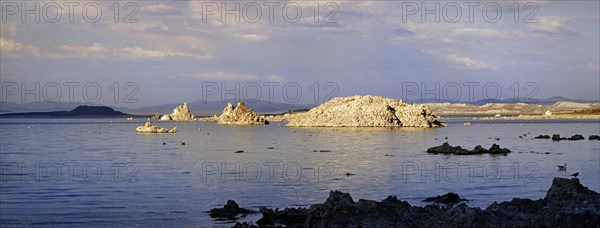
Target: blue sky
177,47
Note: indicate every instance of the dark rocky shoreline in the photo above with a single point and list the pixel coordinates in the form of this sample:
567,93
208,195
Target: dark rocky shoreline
567,204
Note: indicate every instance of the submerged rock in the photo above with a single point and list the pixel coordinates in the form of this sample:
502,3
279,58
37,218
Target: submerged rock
149,128
448,198
240,115
229,211
365,111
556,137
576,137
567,204
446,148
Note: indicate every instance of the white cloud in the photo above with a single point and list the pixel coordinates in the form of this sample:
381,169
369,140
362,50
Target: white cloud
552,24
8,45
158,8
466,62
12,48
98,51
217,76
227,76
254,37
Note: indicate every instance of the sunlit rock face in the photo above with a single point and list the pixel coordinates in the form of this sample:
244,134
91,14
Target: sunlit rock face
365,111
180,113
240,115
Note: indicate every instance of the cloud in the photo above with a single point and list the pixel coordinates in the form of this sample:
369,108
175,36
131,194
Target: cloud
98,51
158,8
254,37
217,76
8,45
11,48
466,62
227,76
552,25
8,29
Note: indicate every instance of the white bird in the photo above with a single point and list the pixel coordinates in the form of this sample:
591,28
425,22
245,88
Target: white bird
562,167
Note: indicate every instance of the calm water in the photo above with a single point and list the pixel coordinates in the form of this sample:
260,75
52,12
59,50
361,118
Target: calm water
98,172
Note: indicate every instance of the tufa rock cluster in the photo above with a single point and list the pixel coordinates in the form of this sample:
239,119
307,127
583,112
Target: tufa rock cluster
180,113
365,111
240,115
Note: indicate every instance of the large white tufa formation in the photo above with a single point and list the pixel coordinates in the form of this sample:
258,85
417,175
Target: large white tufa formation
365,111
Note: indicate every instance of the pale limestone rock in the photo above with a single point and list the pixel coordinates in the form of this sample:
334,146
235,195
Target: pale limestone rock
548,113
182,113
365,111
149,128
165,117
240,115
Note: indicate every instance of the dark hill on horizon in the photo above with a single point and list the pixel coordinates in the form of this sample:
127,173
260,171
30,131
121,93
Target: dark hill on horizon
79,111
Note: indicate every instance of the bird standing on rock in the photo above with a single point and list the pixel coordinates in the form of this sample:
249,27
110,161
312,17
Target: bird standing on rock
562,167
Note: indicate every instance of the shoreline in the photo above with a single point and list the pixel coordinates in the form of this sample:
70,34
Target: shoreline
567,203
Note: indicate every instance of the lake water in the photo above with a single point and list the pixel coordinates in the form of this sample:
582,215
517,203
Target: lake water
99,172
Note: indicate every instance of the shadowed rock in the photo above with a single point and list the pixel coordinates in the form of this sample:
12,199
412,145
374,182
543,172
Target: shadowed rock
567,204
594,137
448,198
542,137
556,137
229,211
446,148
576,137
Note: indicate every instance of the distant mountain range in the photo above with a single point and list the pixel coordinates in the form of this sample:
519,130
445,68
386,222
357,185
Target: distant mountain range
547,101
80,111
216,107
196,107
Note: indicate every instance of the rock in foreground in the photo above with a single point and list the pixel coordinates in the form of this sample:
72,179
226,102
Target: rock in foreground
240,115
229,211
365,111
448,198
180,113
445,148
567,204
149,128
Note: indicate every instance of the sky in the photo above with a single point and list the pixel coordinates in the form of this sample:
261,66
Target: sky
156,52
